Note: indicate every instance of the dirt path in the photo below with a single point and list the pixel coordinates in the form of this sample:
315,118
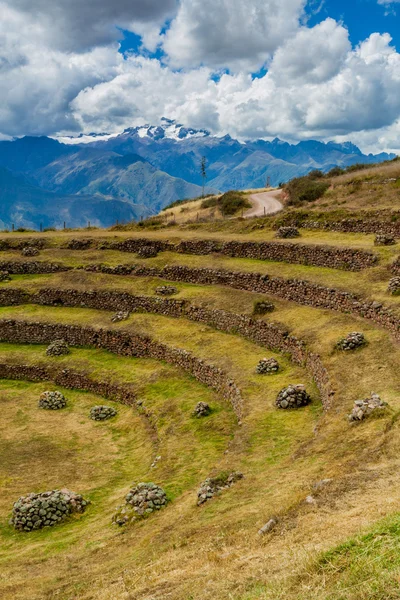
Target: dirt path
264,203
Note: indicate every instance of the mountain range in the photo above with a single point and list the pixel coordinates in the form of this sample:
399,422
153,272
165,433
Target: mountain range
103,177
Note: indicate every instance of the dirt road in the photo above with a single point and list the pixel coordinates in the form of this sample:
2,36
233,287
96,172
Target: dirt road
264,203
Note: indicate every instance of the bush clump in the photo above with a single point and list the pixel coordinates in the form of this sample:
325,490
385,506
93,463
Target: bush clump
306,189
229,203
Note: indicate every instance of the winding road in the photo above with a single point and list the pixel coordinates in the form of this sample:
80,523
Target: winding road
264,203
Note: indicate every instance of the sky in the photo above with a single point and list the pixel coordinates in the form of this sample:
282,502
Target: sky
294,69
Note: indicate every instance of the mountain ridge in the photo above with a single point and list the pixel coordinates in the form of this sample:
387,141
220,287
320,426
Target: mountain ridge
150,166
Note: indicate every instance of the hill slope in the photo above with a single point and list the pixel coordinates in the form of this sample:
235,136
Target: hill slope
26,205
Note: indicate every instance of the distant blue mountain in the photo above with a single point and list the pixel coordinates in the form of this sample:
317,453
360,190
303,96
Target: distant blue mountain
145,168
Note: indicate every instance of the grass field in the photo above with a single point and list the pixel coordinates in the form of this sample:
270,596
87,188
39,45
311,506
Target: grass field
342,544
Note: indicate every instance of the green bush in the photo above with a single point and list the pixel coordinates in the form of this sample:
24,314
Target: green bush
210,203
229,203
335,172
306,189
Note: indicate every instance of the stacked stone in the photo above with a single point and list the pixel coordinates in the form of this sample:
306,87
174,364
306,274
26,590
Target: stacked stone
352,341
102,413
394,286
120,316
147,252
142,500
267,366
36,511
52,401
166,290
382,239
262,307
364,408
5,276
288,232
215,485
79,244
58,348
294,396
202,410
29,251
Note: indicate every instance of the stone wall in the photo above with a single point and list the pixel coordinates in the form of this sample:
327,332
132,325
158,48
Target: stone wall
32,268
270,335
349,259
295,290
76,380
69,379
125,344
377,222
323,256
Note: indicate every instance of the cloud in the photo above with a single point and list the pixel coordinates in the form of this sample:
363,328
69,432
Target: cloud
312,55
37,83
316,84
344,92
79,25
230,33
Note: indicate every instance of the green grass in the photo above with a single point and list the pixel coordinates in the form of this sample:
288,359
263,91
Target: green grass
214,551
365,567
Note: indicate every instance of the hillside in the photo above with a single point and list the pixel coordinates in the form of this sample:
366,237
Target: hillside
161,319
27,205
150,167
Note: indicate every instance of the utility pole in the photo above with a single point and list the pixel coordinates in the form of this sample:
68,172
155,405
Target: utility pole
203,167
268,182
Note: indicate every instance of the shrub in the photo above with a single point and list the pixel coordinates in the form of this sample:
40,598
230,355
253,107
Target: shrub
335,172
229,203
306,189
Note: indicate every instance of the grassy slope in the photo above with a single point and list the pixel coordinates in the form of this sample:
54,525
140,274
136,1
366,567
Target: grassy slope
214,552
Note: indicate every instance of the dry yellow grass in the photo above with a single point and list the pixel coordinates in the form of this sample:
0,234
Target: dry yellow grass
213,552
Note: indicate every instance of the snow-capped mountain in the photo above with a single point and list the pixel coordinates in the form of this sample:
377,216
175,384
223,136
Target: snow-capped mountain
168,129
144,168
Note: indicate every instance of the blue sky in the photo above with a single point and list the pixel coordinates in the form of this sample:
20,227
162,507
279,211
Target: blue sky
361,17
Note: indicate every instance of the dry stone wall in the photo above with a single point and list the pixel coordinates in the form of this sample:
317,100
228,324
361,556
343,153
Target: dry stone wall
69,379
377,222
349,259
270,335
295,290
125,344
32,268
